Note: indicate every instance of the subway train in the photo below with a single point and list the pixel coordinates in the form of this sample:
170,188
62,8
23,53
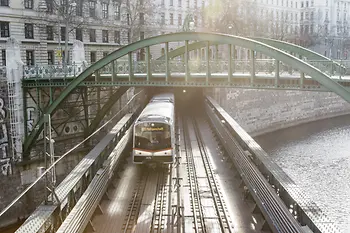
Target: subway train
154,131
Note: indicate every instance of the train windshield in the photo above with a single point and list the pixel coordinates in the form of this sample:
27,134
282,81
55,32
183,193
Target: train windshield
152,136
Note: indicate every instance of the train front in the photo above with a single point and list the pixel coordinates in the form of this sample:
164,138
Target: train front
152,143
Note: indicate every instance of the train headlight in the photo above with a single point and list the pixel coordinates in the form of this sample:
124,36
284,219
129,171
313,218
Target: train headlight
184,91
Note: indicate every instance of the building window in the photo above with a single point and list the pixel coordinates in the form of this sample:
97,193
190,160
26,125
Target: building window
28,31
92,33
127,19
117,37
171,2
30,57
117,12
142,35
179,3
92,57
105,10
105,54
92,9
195,21
79,8
5,29
104,36
4,2
171,19
79,34
63,33
162,3
50,57
64,55
129,37
162,18
142,19
49,6
3,57
28,4
180,19
49,32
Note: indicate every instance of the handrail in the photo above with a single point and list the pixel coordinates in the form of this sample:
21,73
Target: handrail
291,193
271,206
63,156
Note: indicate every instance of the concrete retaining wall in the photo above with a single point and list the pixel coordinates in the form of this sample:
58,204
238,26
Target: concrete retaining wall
263,111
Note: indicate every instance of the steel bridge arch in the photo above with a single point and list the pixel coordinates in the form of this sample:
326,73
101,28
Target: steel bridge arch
185,36
282,45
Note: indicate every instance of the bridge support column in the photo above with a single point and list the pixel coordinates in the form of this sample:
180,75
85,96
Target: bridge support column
167,70
252,59
148,61
302,79
277,73
207,62
187,68
229,63
130,66
114,70
234,54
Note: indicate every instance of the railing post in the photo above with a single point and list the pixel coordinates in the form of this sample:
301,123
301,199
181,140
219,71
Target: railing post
229,63
252,78
187,70
130,66
148,63
207,61
277,73
114,70
234,54
167,68
302,79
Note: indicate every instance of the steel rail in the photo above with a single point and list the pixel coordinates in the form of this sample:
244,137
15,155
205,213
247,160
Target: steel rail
179,226
136,202
193,181
159,200
212,184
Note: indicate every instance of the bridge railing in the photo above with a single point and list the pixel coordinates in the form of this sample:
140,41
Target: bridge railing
266,66
52,71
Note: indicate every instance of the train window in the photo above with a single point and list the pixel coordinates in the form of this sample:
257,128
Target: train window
152,136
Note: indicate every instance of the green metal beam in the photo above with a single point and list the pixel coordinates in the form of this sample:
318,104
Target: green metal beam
190,36
105,109
289,47
309,54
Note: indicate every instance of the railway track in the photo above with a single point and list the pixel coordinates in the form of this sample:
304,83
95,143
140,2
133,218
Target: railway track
207,205
135,204
162,205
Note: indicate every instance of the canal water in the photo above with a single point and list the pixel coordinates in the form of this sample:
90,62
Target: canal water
317,157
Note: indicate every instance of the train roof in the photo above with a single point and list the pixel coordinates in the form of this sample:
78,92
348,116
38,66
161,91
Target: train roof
158,111
166,97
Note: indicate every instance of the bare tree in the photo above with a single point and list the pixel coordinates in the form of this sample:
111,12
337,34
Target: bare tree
138,18
66,16
233,17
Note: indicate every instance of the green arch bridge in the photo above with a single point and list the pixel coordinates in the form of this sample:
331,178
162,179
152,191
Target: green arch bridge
289,67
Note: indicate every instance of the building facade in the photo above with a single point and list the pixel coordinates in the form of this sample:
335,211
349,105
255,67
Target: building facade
42,27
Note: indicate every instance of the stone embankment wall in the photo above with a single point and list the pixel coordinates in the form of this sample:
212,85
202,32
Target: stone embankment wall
263,111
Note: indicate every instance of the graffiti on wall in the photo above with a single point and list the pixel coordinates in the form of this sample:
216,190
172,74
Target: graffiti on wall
5,157
30,118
